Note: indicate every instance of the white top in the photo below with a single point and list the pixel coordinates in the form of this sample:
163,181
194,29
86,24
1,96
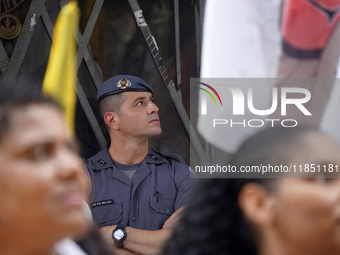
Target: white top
68,247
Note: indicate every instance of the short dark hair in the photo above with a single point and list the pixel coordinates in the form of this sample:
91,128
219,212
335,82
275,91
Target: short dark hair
272,145
112,103
14,95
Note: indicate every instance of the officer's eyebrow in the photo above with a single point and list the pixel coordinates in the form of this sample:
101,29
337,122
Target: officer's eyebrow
143,98
138,99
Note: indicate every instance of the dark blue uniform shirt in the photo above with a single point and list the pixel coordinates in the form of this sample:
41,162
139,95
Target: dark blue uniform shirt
159,188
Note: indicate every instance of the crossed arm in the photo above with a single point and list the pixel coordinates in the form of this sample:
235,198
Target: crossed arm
144,242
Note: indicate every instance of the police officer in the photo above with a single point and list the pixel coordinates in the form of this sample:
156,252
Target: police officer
137,193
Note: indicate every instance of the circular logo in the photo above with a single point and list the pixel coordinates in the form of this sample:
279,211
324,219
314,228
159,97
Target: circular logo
10,27
123,83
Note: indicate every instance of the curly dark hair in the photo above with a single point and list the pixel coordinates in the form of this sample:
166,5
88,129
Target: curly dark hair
213,223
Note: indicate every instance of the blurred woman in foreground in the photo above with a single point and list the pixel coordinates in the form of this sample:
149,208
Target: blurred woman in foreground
293,214
43,184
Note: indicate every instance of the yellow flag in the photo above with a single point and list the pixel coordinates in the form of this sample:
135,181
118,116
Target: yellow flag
60,77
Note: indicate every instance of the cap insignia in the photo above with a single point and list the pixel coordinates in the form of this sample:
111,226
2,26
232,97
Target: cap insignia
123,83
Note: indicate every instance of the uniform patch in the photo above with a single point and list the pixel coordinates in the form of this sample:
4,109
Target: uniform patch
103,202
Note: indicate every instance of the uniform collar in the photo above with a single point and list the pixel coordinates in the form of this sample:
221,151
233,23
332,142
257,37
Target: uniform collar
103,159
153,157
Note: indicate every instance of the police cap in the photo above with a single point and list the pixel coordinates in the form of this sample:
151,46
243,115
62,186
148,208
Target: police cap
122,83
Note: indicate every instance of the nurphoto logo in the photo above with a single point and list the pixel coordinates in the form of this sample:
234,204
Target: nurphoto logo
245,101
204,101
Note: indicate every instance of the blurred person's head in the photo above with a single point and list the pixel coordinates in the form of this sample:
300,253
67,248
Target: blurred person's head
297,215
42,180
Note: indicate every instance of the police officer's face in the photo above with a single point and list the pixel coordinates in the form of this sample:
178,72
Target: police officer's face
139,115
42,179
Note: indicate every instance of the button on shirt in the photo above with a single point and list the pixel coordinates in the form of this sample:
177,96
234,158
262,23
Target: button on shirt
160,186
